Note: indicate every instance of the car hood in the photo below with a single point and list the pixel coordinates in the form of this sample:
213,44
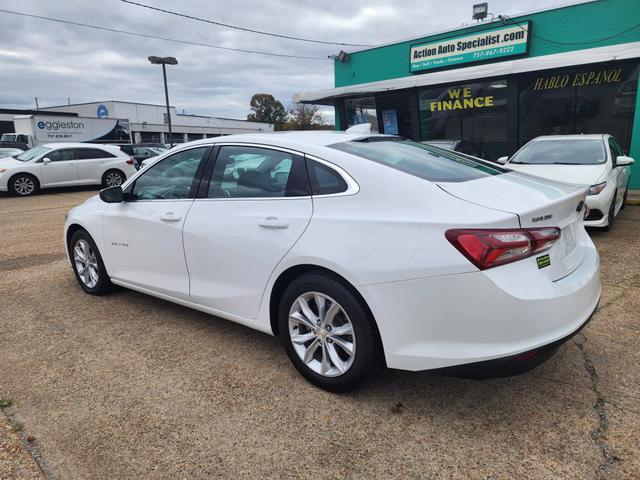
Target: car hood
576,174
7,162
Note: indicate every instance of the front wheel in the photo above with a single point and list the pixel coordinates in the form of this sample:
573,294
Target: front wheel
328,333
612,212
24,185
88,265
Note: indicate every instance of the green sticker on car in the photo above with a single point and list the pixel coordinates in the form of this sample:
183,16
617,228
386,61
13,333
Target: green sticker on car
543,261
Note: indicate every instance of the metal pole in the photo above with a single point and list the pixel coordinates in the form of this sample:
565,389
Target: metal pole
166,96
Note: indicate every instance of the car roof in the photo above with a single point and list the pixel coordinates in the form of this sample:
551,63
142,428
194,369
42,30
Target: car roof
590,136
82,145
290,138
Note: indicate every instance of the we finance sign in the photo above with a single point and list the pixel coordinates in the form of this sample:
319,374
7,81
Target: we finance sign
506,41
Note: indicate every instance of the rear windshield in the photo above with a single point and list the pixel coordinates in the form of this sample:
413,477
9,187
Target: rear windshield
424,161
561,152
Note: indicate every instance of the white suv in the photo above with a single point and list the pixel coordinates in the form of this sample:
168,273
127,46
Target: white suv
64,164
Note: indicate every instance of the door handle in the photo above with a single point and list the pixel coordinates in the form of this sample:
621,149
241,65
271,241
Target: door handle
170,217
273,222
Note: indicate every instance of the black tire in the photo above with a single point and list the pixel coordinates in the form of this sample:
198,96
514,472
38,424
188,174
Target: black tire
110,175
624,197
612,213
24,185
368,352
103,284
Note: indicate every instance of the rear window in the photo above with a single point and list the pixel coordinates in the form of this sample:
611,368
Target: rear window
424,161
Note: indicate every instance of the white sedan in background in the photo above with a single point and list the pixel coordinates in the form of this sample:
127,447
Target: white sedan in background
593,160
63,165
355,249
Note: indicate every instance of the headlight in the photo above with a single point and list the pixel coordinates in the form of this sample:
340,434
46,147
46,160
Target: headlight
596,189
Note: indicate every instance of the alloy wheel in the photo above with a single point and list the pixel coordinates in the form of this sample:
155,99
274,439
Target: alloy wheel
86,263
24,185
322,334
113,179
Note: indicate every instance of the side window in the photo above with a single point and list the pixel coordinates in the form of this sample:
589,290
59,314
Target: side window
90,153
255,172
325,180
60,155
170,179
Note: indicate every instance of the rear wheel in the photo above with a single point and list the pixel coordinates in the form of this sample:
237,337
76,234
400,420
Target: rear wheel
113,178
612,212
624,197
328,333
88,265
24,185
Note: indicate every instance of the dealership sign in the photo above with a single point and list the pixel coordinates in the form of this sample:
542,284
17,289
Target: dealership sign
72,129
491,44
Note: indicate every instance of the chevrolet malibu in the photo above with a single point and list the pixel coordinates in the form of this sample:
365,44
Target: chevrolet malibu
357,250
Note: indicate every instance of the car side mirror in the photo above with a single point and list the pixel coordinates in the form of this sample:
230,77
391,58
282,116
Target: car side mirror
46,160
623,161
503,160
112,194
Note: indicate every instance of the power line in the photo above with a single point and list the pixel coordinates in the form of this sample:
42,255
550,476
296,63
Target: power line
166,39
508,20
244,29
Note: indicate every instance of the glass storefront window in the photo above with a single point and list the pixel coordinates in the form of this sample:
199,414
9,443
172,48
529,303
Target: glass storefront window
474,112
362,110
597,99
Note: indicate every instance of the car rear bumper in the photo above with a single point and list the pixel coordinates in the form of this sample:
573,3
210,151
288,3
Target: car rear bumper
473,317
513,364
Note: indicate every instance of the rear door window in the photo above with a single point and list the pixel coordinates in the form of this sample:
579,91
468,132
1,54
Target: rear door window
91,153
423,161
257,172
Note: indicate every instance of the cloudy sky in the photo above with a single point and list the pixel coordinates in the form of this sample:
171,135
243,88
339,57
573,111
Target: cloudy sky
54,62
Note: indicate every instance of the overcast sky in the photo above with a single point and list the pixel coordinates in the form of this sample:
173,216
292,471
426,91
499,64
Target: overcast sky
54,61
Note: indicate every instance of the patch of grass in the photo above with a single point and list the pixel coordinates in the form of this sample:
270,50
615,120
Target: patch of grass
18,427
5,402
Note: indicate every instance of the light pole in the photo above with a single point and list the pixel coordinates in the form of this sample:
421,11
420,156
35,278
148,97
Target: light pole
165,61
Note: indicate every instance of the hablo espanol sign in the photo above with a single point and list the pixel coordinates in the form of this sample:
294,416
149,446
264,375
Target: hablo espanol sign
496,43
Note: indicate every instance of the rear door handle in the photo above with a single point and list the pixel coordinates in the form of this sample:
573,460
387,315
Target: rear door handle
170,217
273,222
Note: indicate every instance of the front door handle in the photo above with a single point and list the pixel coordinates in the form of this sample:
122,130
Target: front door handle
170,217
273,222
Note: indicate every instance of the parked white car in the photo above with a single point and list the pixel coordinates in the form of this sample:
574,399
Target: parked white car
593,160
64,164
354,249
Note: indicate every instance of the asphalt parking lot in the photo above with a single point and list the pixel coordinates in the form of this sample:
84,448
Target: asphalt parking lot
128,386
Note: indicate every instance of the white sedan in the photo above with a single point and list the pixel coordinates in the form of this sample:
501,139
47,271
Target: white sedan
593,160
356,250
63,165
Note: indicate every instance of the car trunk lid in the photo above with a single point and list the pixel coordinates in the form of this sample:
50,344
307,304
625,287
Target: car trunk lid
537,203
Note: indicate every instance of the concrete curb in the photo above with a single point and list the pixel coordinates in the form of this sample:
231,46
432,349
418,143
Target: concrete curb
633,198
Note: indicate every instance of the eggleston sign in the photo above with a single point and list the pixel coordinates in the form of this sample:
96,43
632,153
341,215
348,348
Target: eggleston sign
491,44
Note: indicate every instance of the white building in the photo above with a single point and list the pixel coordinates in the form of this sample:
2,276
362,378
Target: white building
147,122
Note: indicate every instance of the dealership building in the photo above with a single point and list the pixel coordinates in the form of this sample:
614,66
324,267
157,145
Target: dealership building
501,82
146,123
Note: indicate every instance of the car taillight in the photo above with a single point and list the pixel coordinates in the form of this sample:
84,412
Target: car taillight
487,248
131,161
